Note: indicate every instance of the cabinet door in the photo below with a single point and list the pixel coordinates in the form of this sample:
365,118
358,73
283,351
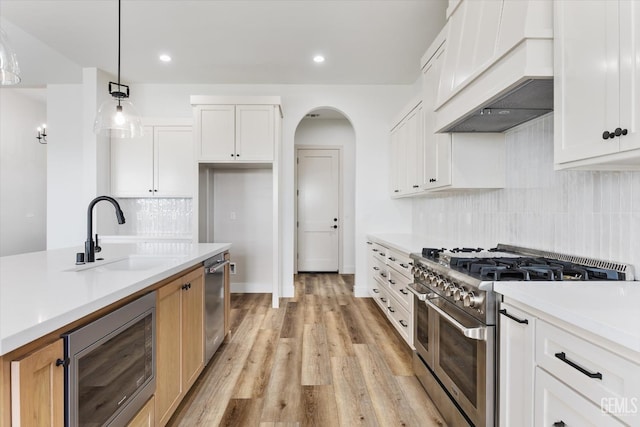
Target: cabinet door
37,388
396,161
517,367
558,405
436,146
630,74
413,153
217,132
255,132
192,327
132,165
586,83
145,416
169,388
175,167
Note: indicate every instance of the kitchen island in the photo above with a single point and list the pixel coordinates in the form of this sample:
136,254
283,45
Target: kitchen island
44,294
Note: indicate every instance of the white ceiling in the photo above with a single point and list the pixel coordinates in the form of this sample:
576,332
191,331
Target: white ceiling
224,41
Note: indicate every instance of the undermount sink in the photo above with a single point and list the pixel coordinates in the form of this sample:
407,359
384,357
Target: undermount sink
128,263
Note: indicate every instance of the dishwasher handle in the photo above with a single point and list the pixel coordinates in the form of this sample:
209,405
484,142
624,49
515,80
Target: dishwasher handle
214,268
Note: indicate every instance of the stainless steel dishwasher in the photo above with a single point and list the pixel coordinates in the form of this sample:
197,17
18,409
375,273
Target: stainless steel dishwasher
214,278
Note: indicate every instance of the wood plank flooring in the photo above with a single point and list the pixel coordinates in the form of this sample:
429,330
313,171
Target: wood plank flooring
324,358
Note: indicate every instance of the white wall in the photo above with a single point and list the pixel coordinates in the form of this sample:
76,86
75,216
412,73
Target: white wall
242,216
337,133
584,213
368,108
23,169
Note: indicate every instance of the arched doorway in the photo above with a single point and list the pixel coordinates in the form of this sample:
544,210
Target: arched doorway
325,200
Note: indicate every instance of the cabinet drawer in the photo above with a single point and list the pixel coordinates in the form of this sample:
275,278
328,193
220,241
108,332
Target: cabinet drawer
397,284
599,374
380,273
401,319
381,298
379,252
558,405
400,262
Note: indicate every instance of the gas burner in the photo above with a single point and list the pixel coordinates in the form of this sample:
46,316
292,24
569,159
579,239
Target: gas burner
466,250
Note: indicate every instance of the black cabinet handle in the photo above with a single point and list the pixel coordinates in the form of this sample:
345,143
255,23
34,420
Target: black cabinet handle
625,131
393,282
416,186
374,250
335,226
403,323
375,290
559,424
383,274
237,155
232,154
335,219
383,299
392,259
605,134
382,254
618,131
391,310
396,191
563,357
511,316
150,191
369,243
61,362
403,292
404,265
376,268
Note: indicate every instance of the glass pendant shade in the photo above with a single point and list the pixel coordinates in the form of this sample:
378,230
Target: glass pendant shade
121,118
9,69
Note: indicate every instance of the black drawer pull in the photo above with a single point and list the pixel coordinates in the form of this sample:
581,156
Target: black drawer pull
383,274
404,266
563,357
511,316
374,250
376,268
559,424
393,282
383,299
403,292
403,323
392,259
391,310
375,290
382,254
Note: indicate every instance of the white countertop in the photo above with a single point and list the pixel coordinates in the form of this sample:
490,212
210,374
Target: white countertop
40,291
607,309
407,243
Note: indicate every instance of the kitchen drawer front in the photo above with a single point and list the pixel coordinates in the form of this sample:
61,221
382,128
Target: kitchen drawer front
401,319
397,284
599,374
381,297
400,262
380,273
558,405
379,252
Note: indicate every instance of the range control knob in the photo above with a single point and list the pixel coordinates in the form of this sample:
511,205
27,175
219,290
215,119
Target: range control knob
449,290
471,300
459,294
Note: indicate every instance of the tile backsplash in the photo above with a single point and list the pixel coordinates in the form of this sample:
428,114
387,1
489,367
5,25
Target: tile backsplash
585,213
156,217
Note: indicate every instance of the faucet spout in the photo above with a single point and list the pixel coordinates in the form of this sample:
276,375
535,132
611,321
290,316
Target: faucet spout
90,245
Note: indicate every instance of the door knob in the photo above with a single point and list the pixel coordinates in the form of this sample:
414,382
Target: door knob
335,226
335,219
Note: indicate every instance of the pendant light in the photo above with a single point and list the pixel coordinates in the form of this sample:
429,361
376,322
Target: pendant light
118,114
9,69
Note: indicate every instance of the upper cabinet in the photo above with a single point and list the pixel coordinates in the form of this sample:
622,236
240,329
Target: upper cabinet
597,84
236,129
499,59
406,152
157,164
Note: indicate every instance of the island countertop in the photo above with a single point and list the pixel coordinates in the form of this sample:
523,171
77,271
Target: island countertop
41,292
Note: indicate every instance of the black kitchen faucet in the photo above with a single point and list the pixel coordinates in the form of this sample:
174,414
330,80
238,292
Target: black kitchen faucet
91,247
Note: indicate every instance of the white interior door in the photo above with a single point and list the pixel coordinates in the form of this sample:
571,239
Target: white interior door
318,209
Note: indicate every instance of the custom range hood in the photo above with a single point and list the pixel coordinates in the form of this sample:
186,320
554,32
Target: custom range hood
501,74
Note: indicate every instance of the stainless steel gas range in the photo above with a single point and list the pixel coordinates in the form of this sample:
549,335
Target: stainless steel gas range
456,318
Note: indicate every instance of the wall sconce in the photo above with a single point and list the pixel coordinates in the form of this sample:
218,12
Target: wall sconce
42,134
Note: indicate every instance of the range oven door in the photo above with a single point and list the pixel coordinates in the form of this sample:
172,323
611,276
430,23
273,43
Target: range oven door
423,330
463,361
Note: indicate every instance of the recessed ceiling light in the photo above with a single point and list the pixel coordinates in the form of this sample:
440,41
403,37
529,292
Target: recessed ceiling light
318,59
165,58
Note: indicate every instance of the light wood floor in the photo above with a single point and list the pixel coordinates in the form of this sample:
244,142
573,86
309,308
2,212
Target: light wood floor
324,358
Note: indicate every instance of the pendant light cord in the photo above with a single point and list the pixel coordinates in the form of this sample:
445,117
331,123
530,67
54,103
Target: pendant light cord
119,18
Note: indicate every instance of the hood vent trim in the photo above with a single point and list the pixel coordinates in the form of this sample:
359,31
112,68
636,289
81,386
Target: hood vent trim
528,100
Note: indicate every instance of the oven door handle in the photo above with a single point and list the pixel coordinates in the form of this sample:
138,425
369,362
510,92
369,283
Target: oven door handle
478,334
420,295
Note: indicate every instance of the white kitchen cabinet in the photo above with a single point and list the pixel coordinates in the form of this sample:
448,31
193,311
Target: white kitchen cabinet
517,365
158,164
558,405
459,160
406,152
236,133
597,84
389,276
